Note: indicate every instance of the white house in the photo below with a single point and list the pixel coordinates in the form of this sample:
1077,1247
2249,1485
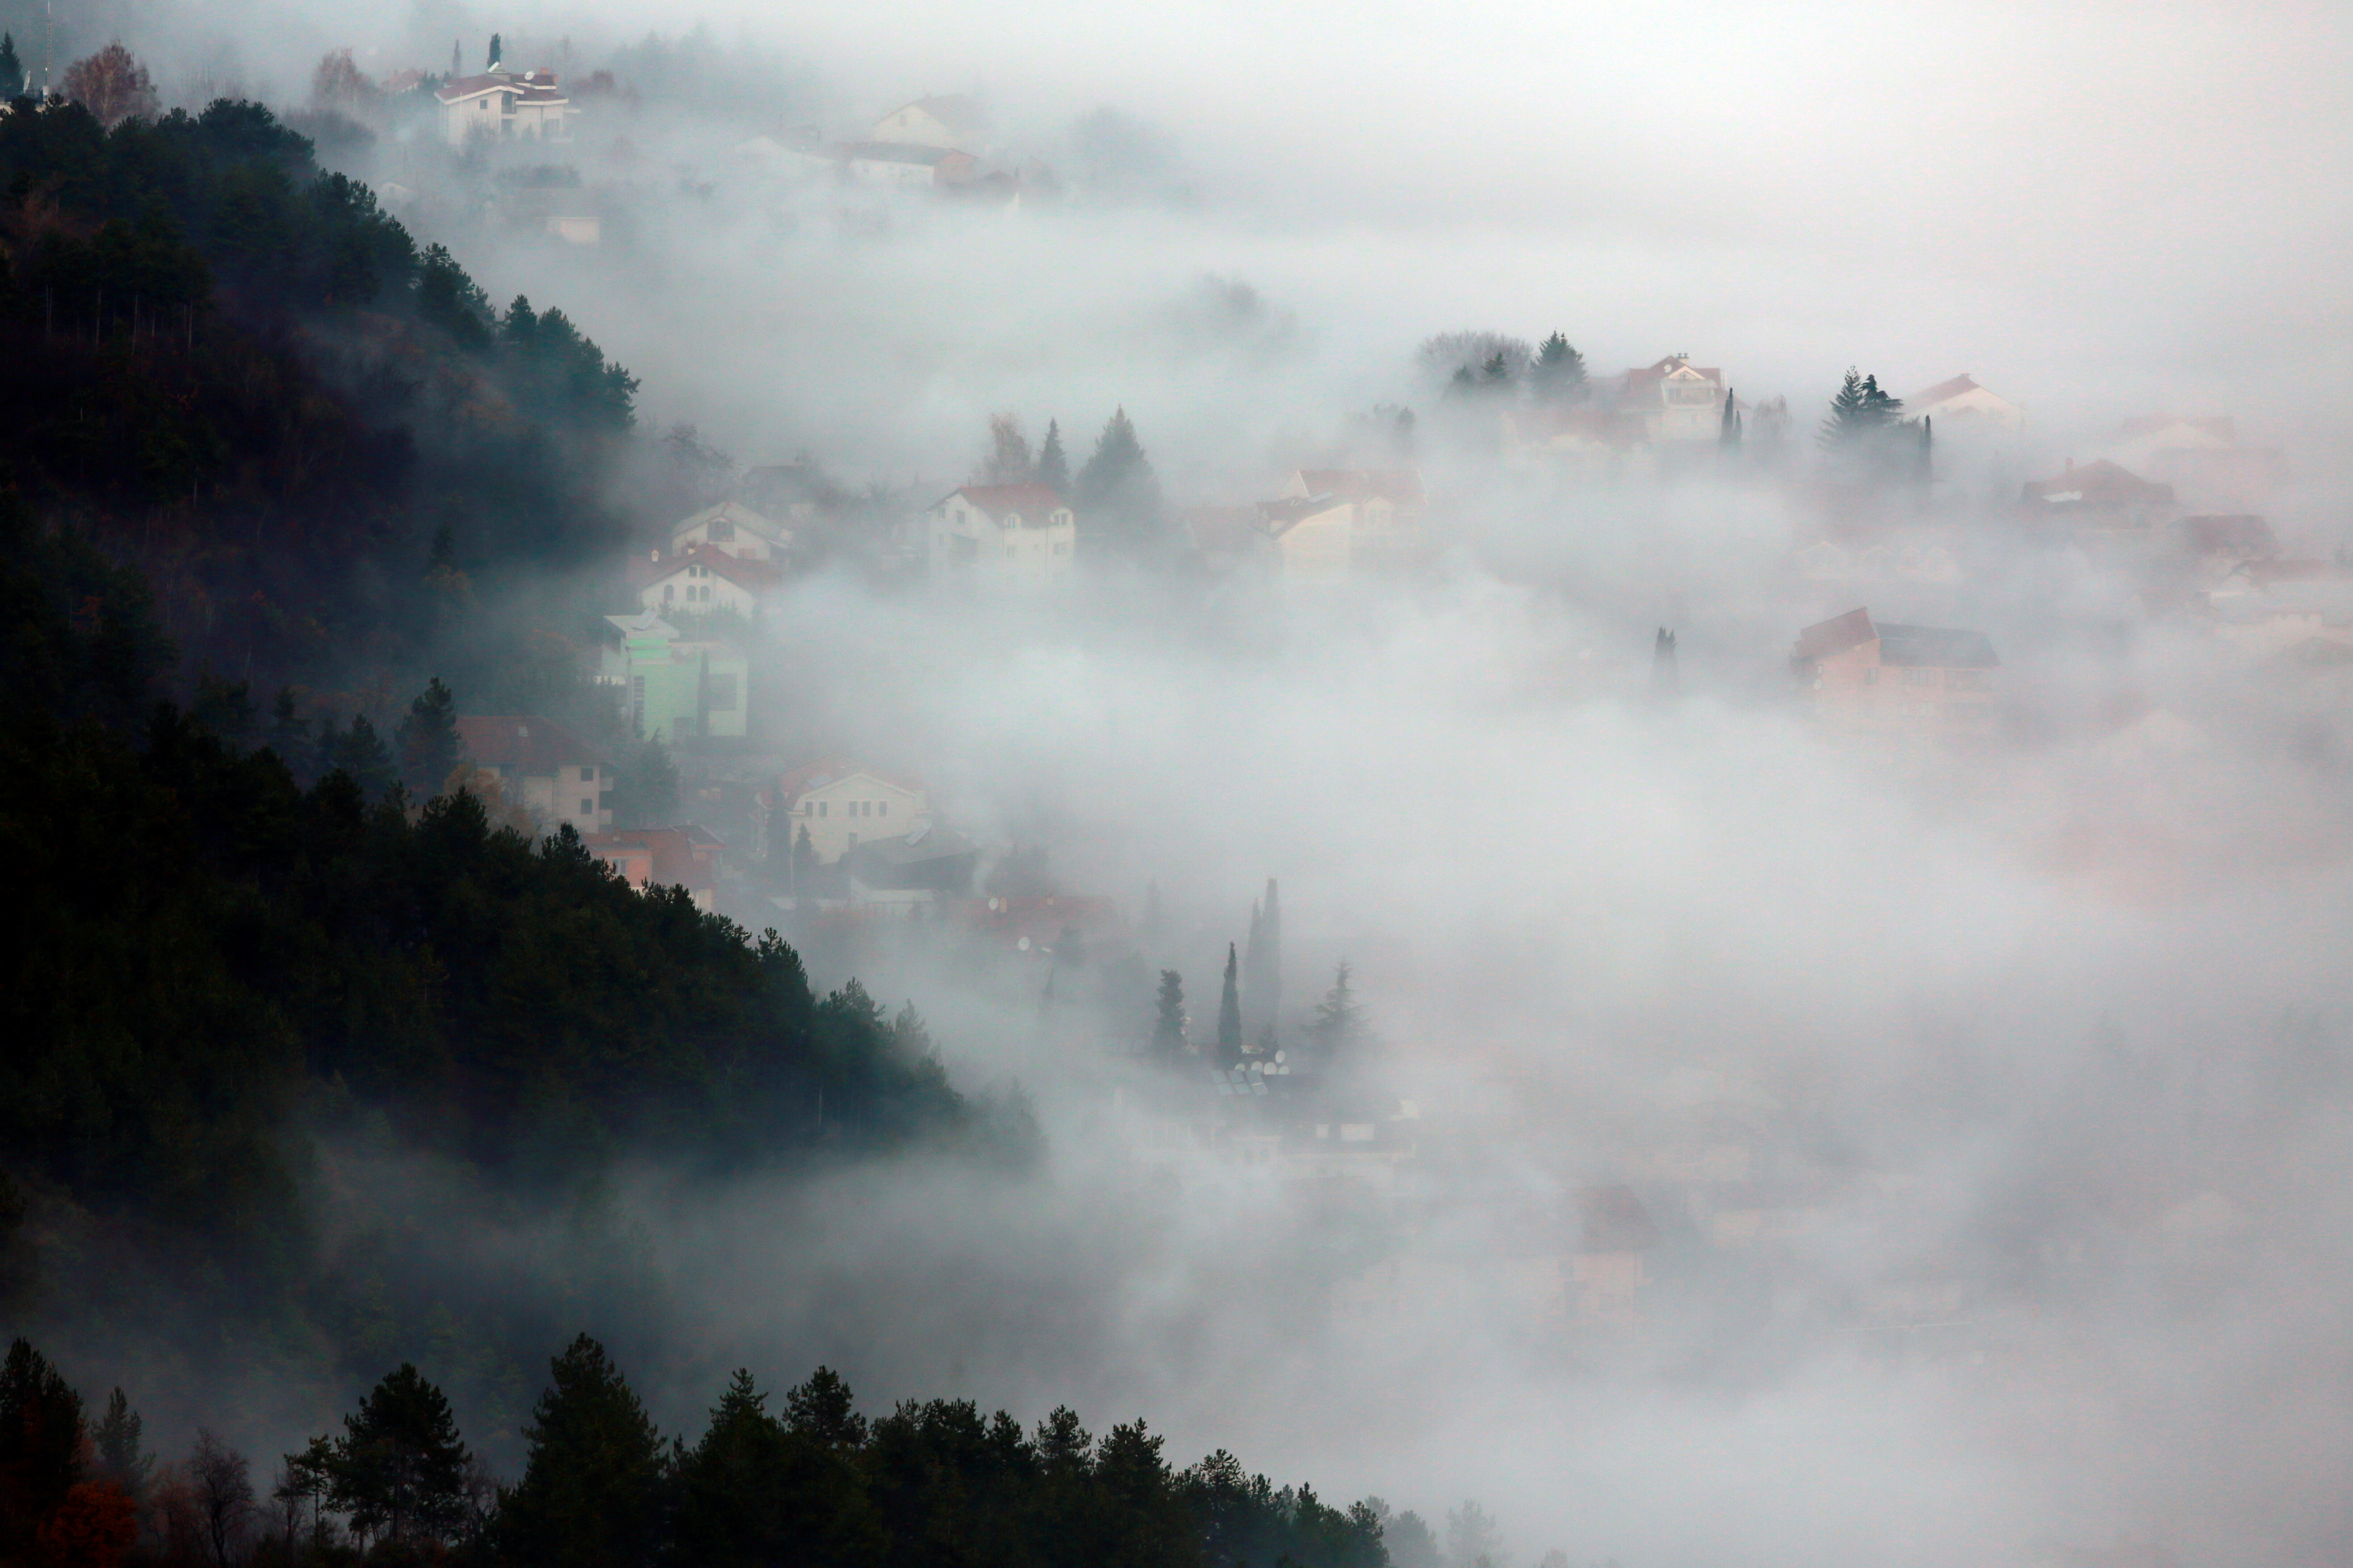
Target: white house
954,123
702,577
541,766
905,165
1677,400
1384,505
839,803
1315,536
504,104
1961,404
1005,535
733,529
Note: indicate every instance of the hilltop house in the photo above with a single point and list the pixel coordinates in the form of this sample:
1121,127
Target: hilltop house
901,873
675,689
542,766
950,123
1313,536
733,529
2202,459
2100,496
1005,535
838,805
649,857
506,105
890,163
1677,400
1961,405
1871,675
1385,505
700,578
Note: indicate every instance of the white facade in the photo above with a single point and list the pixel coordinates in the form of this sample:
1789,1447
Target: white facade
839,812
502,105
1003,535
733,529
1961,404
697,585
952,123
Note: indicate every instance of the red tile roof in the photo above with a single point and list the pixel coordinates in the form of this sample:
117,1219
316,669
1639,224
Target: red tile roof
2098,483
523,744
756,576
683,856
1039,501
1836,635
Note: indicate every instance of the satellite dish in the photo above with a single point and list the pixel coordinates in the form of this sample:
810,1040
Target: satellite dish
1023,944
1278,1056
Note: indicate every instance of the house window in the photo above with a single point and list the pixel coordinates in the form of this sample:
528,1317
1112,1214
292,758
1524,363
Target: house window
587,775
668,589
587,808
722,692
821,808
882,808
1919,678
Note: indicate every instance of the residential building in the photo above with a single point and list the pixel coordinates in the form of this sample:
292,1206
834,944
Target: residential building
1611,1267
903,873
2100,495
1002,535
541,766
1676,400
1580,442
2220,544
733,529
950,122
1961,404
703,578
2204,459
891,163
504,105
1871,675
1314,537
672,688
1385,506
649,858
838,805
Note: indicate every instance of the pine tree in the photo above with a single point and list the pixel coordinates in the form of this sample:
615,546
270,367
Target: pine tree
1558,374
428,740
1169,1024
1338,1028
116,1445
1117,496
592,1476
1858,415
399,1471
1230,1012
1054,466
12,70
41,1433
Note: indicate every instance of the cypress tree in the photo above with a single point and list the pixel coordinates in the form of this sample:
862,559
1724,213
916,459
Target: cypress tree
1230,1012
1728,433
492,63
1168,1021
12,70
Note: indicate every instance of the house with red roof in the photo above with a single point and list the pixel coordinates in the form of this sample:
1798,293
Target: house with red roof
504,105
1879,675
1961,405
838,803
1015,536
2100,496
701,577
542,766
1676,400
662,857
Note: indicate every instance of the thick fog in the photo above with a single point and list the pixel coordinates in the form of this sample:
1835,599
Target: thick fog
2032,1044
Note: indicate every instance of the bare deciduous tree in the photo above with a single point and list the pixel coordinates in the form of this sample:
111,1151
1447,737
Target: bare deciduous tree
112,85
223,1486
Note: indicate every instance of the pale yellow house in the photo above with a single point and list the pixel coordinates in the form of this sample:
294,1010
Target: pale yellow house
842,804
1010,536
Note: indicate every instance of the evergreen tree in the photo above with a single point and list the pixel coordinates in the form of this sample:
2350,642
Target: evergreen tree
492,62
399,1469
1054,466
457,60
1117,496
359,752
428,740
1230,1012
1168,1022
40,1449
727,1490
822,1411
593,1477
1338,1026
1262,966
1860,415
1558,374
12,70
1727,436
116,1446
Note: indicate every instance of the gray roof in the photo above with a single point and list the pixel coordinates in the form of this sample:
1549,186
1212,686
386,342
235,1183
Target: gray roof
1939,648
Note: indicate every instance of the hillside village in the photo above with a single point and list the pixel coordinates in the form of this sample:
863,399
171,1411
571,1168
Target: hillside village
1909,631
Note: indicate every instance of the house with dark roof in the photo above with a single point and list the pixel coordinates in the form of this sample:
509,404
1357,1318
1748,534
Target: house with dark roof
1881,675
2099,495
542,766
704,577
